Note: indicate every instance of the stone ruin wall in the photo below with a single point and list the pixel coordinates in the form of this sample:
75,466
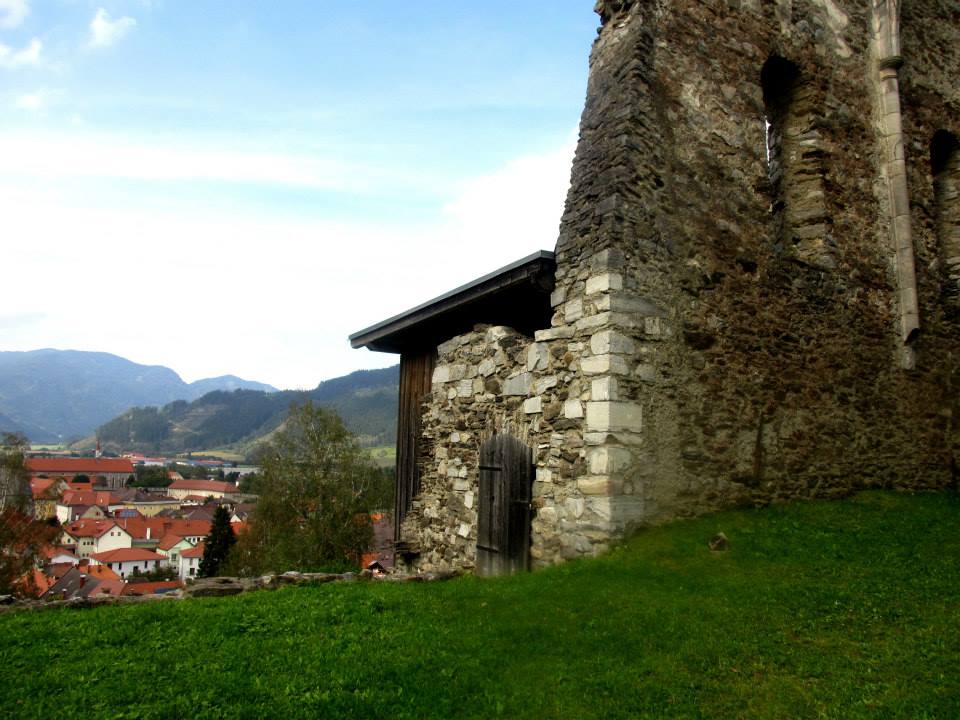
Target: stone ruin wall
719,339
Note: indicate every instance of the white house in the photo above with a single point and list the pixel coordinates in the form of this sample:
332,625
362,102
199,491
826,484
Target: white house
190,561
95,536
125,561
171,547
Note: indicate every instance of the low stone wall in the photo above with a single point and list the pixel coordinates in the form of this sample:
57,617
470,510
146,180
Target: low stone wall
221,587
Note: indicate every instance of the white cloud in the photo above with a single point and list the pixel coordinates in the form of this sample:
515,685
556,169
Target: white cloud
12,12
31,101
267,296
522,200
88,155
30,55
104,32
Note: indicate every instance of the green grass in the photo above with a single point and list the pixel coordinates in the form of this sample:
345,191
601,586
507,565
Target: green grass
820,610
383,455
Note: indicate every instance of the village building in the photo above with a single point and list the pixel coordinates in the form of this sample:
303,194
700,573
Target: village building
87,537
203,489
190,562
171,546
754,296
107,472
129,561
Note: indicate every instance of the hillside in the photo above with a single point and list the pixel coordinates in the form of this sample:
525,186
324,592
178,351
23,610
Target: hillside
843,609
52,395
235,421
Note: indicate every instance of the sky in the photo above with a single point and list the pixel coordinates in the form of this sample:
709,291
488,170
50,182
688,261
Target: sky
235,187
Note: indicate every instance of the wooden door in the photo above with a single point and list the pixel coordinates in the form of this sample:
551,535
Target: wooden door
503,532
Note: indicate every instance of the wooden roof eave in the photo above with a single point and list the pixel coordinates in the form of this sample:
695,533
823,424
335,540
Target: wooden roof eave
399,332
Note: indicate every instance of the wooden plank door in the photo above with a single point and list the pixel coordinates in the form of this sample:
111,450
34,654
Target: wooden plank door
503,525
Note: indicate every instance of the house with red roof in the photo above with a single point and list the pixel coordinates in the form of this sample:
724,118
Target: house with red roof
74,503
94,536
203,488
45,493
111,472
190,562
172,546
127,561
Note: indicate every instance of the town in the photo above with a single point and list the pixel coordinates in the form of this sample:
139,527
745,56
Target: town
115,539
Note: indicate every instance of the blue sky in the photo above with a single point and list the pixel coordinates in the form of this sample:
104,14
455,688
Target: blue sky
236,186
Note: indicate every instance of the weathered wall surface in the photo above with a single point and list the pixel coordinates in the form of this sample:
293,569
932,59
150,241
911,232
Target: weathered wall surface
724,331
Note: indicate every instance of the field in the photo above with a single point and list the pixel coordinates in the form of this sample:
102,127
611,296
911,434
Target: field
383,455
818,610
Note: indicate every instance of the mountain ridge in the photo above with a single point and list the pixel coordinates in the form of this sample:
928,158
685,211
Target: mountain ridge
52,395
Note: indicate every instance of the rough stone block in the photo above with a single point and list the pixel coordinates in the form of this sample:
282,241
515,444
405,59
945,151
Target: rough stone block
606,388
573,409
465,388
561,332
608,460
498,332
544,384
558,296
533,405
538,356
574,507
573,310
544,475
604,365
518,384
593,321
596,485
604,282
610,341
547,515
606,416
487,367
441,374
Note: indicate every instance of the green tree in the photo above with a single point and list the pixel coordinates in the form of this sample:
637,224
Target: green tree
218,544
22,536
316,492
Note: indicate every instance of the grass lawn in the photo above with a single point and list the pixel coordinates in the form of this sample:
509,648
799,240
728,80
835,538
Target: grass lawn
818,610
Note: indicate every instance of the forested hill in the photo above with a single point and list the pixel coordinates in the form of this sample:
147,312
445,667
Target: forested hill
53,395
366,400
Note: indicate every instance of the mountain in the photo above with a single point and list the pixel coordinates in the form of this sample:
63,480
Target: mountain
51,395
237,420
199,388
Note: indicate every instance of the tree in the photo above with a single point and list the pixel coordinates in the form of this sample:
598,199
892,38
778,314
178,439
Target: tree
317,488
22,536
218,544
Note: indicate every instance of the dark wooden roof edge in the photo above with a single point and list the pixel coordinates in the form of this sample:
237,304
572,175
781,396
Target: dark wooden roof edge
471,291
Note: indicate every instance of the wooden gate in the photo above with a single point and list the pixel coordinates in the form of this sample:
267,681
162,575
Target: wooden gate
503,532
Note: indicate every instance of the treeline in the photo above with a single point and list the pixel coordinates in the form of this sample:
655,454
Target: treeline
366,401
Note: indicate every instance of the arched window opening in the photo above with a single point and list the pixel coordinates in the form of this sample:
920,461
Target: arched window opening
795,163
945,168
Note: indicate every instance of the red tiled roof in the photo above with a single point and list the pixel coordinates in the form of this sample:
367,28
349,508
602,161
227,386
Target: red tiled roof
151,588
85,466
194,552
208,485
88,528
169,540
109,587
126,555
50,552
101,572
87,497
41,487
161,526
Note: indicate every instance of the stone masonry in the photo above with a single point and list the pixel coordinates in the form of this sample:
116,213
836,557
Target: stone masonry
756,283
